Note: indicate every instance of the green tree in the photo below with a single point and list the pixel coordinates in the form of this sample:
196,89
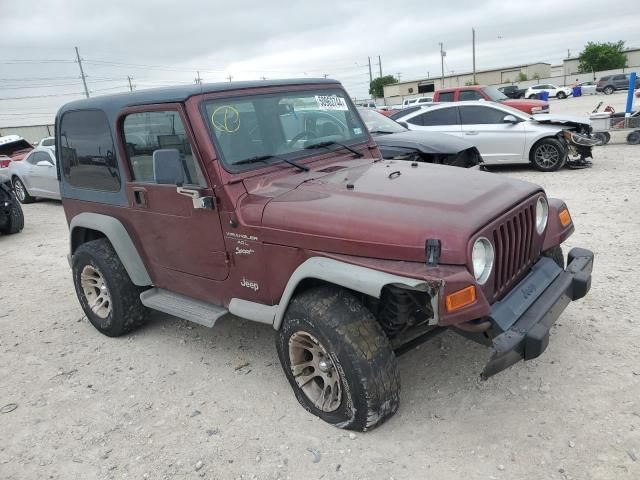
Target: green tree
602,56
376,87
522,77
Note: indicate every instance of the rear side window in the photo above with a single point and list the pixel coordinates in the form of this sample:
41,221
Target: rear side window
473,115
88,153
446,97
146,132
443,116
470,95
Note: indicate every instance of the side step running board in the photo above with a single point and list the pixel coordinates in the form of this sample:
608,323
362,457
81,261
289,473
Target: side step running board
182,306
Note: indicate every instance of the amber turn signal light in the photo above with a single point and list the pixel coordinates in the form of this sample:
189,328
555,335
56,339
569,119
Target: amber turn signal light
461,298
565,217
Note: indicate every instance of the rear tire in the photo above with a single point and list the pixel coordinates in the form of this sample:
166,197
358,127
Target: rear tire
633,138
608,90
334,344
16,219
561,95
548,155
604,137
22,193
107,295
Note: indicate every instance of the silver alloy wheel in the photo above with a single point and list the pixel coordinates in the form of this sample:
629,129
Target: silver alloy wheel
314,371
95,291
19,189
547,156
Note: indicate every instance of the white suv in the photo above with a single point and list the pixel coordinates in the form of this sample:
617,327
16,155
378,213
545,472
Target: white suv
552,90
409,102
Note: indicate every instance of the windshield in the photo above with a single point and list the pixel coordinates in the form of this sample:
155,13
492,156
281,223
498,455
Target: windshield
48,142
281,124
378,123
494,94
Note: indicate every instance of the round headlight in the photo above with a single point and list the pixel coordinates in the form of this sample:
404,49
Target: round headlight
542,214
482,259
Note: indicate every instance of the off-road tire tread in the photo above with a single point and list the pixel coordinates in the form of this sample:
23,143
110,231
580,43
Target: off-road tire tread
367,348
16,219
128,312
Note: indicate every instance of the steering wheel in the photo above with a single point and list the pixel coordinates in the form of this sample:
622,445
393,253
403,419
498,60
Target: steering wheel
300,136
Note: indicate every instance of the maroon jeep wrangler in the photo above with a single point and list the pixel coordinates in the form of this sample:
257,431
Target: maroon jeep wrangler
269,201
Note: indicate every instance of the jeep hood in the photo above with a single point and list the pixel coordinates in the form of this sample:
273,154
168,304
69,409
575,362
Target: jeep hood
388,209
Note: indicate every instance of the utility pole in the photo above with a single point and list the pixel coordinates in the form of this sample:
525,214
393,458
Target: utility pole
325,75
473,41
263,78
84,77
370,74
197,80
380,65
442,55
230,77
130,86
568,53
398,75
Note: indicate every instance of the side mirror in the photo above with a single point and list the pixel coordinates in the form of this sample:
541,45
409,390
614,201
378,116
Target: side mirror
510,119
44,163
404,124
167,167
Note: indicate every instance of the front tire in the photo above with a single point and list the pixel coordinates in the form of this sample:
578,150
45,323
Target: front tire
604,137
338,360
22,193
548,155
561,95
633,138
608,90
107,295
555,254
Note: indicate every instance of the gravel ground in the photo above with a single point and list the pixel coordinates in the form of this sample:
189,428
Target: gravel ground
175,400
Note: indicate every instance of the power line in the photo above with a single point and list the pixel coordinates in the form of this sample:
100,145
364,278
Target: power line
33,62
43,96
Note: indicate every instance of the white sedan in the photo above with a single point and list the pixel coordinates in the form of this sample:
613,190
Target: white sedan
552,90
502,134
35,176
588,88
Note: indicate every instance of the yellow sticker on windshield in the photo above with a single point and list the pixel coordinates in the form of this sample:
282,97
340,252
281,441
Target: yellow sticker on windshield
226,119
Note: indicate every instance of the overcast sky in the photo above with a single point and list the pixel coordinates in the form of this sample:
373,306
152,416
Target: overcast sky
161,43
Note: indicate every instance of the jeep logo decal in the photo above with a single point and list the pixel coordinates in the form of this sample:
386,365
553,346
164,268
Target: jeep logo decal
250,284
528,290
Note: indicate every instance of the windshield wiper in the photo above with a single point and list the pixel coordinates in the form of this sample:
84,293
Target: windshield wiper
264,158
383,132
331,142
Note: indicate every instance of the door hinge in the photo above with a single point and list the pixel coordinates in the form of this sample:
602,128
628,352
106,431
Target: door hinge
199,201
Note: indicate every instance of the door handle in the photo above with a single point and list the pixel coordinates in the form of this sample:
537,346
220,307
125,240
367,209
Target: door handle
472,132
140,197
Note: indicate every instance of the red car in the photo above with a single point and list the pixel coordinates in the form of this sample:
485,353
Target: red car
483,92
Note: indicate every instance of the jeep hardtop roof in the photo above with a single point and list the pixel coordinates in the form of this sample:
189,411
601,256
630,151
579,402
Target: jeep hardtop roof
118,101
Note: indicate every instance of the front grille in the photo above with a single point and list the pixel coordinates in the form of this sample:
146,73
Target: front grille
513,241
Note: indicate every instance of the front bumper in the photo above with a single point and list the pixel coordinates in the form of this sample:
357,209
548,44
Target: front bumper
523,319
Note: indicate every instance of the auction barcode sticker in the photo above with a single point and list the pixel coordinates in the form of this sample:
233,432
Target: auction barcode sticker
331,102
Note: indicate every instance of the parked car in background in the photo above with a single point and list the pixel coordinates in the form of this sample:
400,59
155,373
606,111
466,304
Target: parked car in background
35,176
11,217
492,94
513,91
587,88
611,83
398,142
47,142
409,102
553,91
14,147
503,134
